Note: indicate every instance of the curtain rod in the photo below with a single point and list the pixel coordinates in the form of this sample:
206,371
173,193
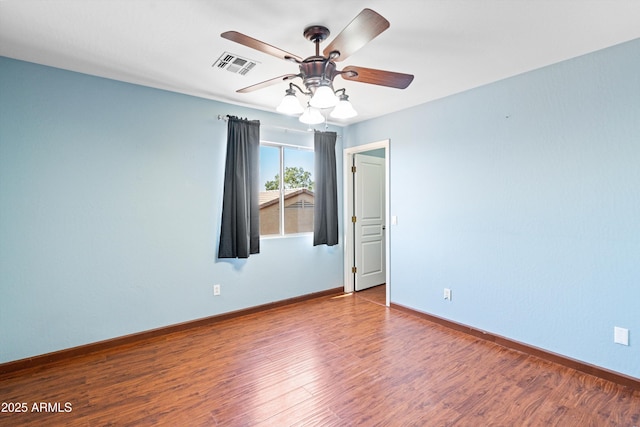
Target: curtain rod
225,118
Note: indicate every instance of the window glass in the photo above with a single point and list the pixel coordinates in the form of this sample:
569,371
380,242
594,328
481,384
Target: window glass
269,190
299,187
286,179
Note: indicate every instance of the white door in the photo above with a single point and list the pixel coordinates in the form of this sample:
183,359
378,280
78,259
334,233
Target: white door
369,226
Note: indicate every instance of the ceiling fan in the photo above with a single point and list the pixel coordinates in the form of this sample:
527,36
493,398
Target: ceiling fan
318,71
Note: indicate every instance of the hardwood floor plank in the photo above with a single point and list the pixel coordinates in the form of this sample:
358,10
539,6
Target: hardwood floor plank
253,412
332,361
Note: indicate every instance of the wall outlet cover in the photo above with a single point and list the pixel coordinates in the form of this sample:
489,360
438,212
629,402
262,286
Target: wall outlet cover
621,335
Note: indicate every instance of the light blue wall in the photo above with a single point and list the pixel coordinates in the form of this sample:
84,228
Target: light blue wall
523,197
525,194
110,198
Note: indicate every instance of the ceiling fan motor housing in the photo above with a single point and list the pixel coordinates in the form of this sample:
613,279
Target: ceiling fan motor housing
317,71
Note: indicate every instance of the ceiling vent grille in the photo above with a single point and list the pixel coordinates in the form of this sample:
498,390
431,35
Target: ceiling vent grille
234,63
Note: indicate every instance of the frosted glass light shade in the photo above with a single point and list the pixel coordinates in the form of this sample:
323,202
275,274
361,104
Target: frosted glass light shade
323,98
344,110
290,105
311,116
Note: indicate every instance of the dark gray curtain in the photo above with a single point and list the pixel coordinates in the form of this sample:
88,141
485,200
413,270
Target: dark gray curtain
240,229
325,219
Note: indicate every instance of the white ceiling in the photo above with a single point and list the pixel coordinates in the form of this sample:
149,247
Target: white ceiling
449,45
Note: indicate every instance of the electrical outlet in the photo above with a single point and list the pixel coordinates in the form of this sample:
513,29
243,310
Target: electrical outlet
216,290
447,294
620,336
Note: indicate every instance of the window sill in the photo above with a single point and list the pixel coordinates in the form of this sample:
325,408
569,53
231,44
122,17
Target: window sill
286,236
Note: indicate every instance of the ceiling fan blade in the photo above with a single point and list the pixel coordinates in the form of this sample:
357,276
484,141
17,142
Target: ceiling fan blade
266,83
377,77
256,44
364,28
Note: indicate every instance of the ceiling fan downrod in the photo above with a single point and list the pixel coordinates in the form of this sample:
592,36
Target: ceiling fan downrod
316,34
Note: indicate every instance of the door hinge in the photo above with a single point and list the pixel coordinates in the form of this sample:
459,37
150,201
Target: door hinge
354,270
353,169
353,219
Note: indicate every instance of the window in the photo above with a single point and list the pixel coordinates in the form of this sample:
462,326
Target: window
286,180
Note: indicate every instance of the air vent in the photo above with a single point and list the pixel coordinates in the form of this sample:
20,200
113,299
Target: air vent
235,64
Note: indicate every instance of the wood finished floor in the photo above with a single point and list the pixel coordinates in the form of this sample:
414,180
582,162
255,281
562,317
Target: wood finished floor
341,361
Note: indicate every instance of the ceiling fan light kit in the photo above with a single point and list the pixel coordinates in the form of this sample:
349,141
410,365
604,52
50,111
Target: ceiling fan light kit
324,97
318,72
344,109
311,116
289,104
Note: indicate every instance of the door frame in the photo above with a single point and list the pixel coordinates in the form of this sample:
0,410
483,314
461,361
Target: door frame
347,194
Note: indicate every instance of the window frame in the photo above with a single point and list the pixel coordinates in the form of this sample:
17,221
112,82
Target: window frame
281,146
